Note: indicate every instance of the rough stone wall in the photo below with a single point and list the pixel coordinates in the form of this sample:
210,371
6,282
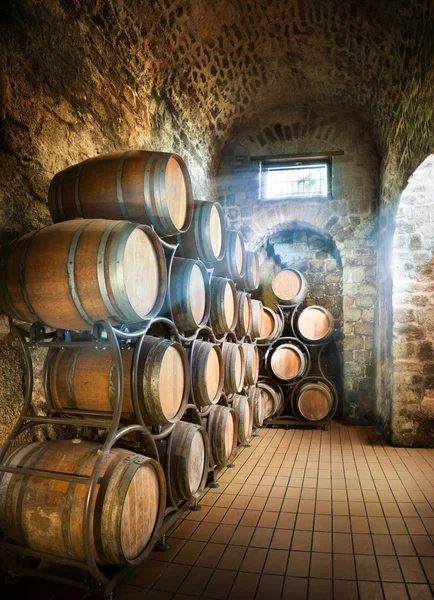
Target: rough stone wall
412,418
349,218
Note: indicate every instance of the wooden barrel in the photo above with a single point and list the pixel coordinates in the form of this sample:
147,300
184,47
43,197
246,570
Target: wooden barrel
206,237
153,188
234,367
315,324
242,406
189,294
251,355
271,326
234,261
257,406
289,286
72,274
222,427
272,397
84,379
186,460
224,308
288,362
314,401
251,279
257,316
244,321
207,372
47,515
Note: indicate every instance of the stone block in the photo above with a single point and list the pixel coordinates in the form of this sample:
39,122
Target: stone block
363,328
352,314
365,301
368,315
411,332
353,342
425,351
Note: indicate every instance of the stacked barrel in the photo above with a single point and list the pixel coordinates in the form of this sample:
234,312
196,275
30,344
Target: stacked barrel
129,246
291,342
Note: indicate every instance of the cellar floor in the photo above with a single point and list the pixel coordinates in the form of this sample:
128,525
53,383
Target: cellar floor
305,514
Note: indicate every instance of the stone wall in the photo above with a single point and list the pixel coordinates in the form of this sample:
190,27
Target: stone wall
412,418
349,219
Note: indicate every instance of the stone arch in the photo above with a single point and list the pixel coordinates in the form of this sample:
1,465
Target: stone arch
412,410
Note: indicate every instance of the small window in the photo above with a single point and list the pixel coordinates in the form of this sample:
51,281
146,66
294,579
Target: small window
295,180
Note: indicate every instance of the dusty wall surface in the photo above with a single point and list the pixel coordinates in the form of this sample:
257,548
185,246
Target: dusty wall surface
349,219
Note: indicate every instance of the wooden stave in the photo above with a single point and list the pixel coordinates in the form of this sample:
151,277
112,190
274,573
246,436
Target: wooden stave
240,329
215,422
322,386
257,308
241,404
227,267
299,297
278,327
104,300
218,323
322,339
148,209
257,406
111,480
251,377
148,360
180,306
275,393
247,282
190,242
301,355
197,357
229,353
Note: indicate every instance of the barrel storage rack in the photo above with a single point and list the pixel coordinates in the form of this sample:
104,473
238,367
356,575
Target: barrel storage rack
185,241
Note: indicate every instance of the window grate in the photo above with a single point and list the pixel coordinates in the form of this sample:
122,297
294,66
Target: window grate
296,181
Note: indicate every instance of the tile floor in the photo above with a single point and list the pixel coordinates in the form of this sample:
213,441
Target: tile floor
308,514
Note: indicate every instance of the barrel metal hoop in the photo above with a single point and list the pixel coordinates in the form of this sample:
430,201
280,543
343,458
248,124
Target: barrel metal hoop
71,273
100,259
23,279
119,193
164,220
77,189
71,375
147,192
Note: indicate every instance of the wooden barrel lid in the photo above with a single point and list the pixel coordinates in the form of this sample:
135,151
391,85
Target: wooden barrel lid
212,374
172,382
313,323
176,193
141,272
197,294
285,362
286,284
228,304
140,511
229,434
267,402
267,324
215,231
239,375
314,404
239,253
196,462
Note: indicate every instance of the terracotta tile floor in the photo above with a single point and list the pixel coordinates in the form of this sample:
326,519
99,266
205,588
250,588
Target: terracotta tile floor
305,515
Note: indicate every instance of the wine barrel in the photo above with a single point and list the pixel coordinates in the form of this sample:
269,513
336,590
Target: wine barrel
84,379
72,274
271,326
153,188
315,324
234,261
257,316
250,280
206,238
242,406
47,515
234,367
314,401
272,397
288,362
289,287
244,321
207,372
251,355
189,294
257,406
186,460
224,308
222,427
